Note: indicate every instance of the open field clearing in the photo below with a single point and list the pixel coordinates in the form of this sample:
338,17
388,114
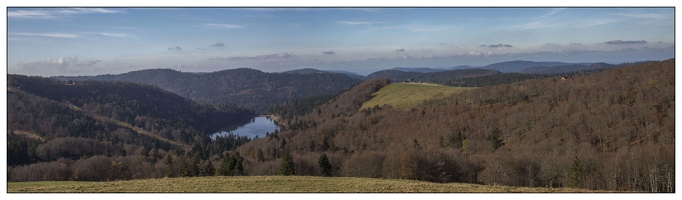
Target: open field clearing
267,184
408,95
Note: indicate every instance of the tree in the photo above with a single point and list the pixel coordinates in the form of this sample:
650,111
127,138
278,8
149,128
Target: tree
325,144
208,170
286,167
225,165
168,161
195,165
325,166
260,156
576,173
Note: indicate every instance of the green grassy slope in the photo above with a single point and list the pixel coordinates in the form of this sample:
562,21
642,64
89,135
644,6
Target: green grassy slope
409,95
266,184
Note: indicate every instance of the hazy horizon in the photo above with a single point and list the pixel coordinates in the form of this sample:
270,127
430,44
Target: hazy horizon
94,41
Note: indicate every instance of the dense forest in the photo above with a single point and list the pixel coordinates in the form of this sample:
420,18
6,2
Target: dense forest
55,125
611,130
248,88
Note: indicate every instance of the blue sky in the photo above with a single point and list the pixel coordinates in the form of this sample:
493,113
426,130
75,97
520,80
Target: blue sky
91,41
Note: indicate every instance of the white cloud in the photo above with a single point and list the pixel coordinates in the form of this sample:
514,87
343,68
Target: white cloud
69,63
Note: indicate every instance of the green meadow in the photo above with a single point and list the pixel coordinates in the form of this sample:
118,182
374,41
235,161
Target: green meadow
408,95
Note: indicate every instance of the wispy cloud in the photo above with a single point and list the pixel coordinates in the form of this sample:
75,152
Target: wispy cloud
218,44
52,35
118,35
626,42
553,12
424,28
534,25
645,15
358,22
57,13
497,45
258,57
76,35
224,25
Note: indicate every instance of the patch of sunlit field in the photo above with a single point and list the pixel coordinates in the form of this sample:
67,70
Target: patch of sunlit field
269,184
408,95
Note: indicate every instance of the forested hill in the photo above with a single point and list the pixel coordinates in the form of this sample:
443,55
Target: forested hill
152,109
611,130
248,88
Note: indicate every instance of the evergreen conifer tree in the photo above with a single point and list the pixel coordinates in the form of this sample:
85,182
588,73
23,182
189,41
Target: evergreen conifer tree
286,167
260,156
208,170
576,174
325,166
168,161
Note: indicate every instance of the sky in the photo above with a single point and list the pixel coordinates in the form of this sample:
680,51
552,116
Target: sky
73,41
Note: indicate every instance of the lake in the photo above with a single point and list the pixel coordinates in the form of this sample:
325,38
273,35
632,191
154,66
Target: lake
258,126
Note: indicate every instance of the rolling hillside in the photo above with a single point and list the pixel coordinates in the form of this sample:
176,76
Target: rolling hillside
608,130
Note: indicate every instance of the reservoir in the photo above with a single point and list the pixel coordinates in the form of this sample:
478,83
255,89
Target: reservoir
257,126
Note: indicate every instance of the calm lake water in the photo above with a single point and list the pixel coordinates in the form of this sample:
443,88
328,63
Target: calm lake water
258,126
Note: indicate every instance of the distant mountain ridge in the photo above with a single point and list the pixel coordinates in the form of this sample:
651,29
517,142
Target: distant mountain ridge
248,88
436,77
567,68
419,69
520,65
317,71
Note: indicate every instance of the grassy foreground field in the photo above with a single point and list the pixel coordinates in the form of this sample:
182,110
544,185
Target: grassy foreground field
408,95
265,184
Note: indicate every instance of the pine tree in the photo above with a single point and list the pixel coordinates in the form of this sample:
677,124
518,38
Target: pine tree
286,167
576,174
325,166
224,168
168,161
195,165
325,144
441,141
208,170
260,156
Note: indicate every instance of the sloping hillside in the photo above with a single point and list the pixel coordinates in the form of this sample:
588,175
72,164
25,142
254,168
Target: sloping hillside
612,130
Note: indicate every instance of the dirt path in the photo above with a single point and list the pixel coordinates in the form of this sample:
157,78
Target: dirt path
136,129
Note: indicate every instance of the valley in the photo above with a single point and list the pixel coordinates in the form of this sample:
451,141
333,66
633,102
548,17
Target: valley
535,131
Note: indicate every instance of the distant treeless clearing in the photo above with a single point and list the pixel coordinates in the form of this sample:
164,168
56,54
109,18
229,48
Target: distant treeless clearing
268,184
408,95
